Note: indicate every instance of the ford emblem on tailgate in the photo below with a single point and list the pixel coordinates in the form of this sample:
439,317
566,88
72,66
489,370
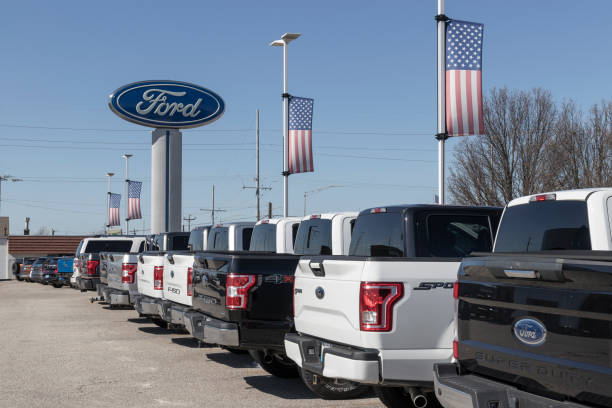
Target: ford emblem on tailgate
530,332
167,104
319,292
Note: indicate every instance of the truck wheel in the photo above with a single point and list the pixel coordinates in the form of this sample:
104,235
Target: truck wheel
394,397
331,389
160,322
55,285
277,365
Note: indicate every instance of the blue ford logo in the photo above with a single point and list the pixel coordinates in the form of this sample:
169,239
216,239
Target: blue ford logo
319,292
530,332
167,104
172,274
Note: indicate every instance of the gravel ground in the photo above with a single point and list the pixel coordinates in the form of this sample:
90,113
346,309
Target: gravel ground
59,350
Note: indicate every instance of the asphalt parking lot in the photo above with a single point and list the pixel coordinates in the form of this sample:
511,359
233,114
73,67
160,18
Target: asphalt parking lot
59,350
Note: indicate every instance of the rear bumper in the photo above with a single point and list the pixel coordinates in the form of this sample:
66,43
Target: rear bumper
117,297
471,391
147,306
173,312
87,283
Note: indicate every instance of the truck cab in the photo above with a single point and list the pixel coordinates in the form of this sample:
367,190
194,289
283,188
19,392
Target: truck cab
533,318
383,315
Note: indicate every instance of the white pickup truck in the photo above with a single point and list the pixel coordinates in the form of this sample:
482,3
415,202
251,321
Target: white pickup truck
384,315
118,285
150,273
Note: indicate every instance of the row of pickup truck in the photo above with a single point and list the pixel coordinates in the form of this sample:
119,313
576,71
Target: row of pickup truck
426,304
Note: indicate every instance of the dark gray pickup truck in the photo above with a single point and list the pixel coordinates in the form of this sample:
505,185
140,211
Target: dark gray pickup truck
534,319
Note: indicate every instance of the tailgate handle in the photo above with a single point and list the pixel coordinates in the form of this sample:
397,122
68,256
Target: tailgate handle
522,274
141,259
317,268
170,258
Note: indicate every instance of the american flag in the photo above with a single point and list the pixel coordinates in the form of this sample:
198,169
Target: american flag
464,78
134,188
300,135
114,202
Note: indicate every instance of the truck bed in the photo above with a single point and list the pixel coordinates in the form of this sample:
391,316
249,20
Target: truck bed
541,322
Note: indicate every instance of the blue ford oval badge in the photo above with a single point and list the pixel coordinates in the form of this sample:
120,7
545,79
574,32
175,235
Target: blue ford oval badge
320,292
172,274
530,332
166,104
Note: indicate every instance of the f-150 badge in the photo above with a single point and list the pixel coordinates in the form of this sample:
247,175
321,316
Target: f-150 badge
530,332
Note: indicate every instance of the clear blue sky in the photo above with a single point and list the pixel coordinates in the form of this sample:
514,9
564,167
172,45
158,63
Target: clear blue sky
369,65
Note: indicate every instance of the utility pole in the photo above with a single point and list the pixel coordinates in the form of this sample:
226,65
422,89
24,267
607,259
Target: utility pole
213,209
269,209
316,190
189,219
257,179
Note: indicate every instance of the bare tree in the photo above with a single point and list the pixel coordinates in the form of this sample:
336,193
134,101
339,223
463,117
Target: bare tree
509,160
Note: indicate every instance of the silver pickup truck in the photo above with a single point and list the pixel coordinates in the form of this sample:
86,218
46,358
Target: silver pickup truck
118,274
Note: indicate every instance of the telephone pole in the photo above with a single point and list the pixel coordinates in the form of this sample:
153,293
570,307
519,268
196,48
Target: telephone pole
212,209
189,219
257,179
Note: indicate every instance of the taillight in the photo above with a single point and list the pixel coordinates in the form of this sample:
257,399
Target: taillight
190,281
158,278
543,197
376,302
456,349
92,267
237,292
128,271
456,290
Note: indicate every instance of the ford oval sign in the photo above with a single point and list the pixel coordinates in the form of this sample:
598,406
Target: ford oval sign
530,332
167,104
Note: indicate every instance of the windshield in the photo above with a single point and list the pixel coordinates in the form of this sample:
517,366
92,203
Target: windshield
314,237
378,234
263,238
543,226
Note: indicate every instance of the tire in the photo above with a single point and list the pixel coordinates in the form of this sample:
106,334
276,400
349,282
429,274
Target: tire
398,397
15,268
280,366
330,389
159,322
55,285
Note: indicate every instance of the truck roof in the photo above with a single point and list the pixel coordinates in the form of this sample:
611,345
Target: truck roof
329,216
227,224
401,207
276,220
575,195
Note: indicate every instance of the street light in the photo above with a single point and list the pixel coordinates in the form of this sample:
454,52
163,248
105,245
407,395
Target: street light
284,42
127,179
6,177
316,190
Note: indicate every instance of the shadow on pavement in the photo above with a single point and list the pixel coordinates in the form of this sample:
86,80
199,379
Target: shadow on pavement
191,342
286,388
232,360
155,330
139,320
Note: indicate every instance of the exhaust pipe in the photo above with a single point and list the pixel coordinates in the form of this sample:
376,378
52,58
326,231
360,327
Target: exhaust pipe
418,398
268,358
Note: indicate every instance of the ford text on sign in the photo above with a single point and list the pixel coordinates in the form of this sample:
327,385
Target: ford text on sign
167,104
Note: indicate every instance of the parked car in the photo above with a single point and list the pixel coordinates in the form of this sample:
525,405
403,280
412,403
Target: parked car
243,300
150,272
384,315
118,274
89,257
36,272
534,318
24,271
63,271
49,270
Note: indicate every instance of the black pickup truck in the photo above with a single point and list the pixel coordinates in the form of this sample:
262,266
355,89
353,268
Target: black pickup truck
243,300
534,319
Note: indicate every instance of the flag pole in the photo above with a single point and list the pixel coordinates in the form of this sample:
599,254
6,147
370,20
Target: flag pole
285,134
127,183
441,135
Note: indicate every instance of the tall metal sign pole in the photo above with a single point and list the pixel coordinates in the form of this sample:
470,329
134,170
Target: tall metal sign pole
441,136
127,183
284,42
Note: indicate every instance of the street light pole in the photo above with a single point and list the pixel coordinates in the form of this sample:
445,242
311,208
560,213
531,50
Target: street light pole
108,193
284,42
127,182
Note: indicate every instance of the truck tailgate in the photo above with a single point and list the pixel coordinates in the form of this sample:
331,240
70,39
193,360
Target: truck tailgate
175,277
543,323
146,266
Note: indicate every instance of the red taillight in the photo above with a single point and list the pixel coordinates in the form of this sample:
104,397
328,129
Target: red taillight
190,281
544,197
378,210
456,290
237,292
128,271
456,349
376,302
158,278
92,267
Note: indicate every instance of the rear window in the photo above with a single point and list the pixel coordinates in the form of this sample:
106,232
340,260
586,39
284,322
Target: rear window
246,238
380,234
93,247
218,239
179,243
263,238
453,235
314,237
543,226
196,240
